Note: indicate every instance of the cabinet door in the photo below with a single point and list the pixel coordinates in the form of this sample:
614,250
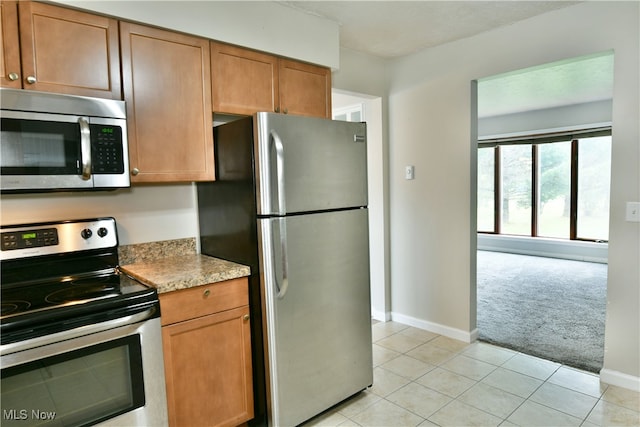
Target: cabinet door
305,89
68,51
243,81
208,370
9,45
167,88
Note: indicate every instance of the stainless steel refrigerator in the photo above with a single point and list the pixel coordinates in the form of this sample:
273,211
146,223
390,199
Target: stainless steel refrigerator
290,201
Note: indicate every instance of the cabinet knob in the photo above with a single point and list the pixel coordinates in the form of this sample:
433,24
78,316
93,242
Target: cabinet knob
286,111
245,317
135,171
277,109
31,79
13,76
207,292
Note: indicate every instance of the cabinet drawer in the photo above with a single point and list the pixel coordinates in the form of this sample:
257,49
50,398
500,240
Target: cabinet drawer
195,302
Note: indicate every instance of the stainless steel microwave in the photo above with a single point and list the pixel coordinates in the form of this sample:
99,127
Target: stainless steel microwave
55,142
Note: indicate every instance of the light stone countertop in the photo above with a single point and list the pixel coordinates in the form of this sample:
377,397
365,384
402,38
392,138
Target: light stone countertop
172,273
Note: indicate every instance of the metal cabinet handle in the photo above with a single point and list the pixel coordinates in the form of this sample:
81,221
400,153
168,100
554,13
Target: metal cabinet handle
286,111
85,147
31,79
135,171
245,317
13,76
207,292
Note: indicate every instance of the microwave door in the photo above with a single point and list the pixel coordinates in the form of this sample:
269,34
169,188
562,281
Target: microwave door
43,152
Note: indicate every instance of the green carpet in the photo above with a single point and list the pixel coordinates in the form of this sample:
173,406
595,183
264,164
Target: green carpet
545,307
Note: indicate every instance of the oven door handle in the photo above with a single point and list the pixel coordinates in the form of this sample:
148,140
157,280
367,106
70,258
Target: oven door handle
78,332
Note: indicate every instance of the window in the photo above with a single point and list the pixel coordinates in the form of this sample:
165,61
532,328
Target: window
554,187
594,172
486,189
515,186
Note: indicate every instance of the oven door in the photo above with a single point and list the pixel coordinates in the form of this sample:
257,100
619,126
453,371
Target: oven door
41,151
114,377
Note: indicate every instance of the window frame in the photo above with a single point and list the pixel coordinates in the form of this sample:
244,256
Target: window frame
535,140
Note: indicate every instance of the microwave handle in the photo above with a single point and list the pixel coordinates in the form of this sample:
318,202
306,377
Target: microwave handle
85,147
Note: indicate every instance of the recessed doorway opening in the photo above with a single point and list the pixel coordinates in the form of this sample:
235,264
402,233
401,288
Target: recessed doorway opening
543,173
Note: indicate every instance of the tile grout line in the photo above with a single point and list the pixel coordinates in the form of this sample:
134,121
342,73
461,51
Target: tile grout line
461,352
568,385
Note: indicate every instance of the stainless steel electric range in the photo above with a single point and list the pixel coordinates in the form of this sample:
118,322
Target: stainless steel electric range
80,342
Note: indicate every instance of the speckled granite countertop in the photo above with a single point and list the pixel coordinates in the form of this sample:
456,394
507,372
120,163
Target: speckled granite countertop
172,273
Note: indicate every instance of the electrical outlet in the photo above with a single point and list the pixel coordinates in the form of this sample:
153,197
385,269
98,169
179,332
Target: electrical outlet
409,172
633,212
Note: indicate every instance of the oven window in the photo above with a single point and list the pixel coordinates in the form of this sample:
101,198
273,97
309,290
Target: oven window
39,148
78,388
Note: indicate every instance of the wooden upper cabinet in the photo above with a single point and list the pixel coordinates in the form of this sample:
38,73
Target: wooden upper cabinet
243,81
305,89
10,45
167,87
62,50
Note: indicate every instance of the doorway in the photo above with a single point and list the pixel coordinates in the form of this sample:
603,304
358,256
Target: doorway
351,106
537,230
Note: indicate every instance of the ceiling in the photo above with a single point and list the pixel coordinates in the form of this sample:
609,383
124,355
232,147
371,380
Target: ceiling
391,29
573,81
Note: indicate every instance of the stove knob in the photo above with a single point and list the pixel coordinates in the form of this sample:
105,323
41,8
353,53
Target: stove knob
86,233
102,231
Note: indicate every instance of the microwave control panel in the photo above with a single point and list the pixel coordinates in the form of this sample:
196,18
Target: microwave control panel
106,149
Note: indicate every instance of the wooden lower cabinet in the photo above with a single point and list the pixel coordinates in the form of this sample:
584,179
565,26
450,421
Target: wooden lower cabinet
208,356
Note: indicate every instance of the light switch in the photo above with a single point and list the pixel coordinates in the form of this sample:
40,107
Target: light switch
409,172
633,212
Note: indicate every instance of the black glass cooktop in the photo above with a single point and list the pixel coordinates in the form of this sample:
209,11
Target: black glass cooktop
66,292
47,308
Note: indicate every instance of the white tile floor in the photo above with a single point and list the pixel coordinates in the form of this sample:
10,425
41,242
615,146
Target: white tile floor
425,379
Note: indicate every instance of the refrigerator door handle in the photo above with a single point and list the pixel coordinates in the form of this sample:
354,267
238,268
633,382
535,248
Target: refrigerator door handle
279,148
282,289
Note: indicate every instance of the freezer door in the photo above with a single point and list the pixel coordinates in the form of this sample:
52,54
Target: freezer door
315,278
306,164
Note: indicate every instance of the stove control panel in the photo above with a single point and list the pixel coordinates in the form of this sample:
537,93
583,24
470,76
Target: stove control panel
31,240
35,238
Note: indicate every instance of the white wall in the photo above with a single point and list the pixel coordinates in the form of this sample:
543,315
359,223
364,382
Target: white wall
142,213
430,126
260,25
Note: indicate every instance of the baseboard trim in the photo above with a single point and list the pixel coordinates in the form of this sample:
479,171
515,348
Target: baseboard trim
611,377
447,331
546,247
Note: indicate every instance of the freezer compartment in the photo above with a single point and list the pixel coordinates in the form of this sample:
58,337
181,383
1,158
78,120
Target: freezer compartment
317,311
306,164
